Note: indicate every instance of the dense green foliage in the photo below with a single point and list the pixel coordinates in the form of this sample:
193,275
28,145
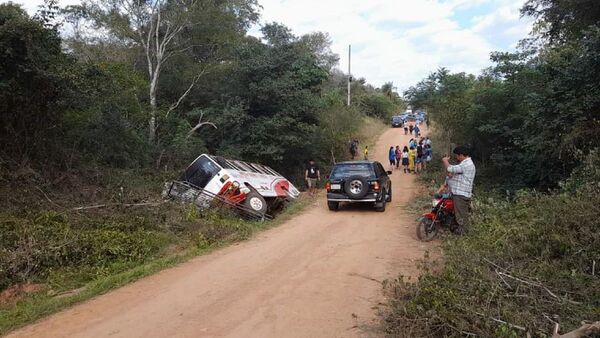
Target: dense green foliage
530,259
536,110
90,102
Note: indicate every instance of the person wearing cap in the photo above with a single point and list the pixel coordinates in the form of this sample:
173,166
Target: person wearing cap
461,183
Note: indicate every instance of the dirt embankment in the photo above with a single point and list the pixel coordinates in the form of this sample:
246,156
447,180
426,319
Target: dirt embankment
317,275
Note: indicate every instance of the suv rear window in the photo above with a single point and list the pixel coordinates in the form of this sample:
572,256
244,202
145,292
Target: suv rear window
346,170
396,119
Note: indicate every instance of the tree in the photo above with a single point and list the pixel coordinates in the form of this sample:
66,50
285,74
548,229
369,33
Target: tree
338,125
561,20
156,27
32,83
163,29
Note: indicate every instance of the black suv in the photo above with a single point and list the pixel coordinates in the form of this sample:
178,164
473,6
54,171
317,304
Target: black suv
359,182
397,121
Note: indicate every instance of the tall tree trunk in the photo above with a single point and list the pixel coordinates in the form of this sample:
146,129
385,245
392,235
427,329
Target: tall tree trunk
153,106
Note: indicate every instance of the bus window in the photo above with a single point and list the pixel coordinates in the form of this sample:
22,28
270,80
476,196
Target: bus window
222,162
274,172
270,171
244,166
201,171
234,166
257,168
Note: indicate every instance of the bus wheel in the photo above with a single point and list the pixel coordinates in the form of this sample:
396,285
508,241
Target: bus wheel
256,202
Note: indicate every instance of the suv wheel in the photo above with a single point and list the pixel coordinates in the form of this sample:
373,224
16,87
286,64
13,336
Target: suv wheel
356,187
380,206
388,198
333,206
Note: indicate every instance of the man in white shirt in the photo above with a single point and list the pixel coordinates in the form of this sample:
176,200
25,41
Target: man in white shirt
461,184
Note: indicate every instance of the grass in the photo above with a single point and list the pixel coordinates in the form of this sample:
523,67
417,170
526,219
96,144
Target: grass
526,263
92,281
371,129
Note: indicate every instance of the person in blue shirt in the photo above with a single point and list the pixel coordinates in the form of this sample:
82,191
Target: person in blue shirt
392,157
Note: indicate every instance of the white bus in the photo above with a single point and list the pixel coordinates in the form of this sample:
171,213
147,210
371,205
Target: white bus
252,185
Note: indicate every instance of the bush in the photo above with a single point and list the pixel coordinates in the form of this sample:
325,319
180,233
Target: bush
377,105
526,263
32,246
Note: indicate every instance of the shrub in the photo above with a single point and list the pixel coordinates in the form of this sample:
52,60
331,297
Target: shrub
526,264
30,247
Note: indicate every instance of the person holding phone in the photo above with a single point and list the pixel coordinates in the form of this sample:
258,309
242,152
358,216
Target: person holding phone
461,181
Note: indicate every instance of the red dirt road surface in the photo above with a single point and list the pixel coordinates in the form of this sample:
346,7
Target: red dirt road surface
317,275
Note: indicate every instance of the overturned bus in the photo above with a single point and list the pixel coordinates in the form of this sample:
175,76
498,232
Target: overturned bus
253,189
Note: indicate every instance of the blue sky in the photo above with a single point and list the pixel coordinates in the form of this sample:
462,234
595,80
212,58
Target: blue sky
400,40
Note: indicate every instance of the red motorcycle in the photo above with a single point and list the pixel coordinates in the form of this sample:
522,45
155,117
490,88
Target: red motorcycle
442,215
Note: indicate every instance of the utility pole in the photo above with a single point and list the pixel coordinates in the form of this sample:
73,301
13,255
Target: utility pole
349,73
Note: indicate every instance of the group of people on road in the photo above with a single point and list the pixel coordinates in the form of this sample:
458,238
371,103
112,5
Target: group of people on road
410,128
413,157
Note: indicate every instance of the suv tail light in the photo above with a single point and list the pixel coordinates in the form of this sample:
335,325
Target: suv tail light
375,185
328,186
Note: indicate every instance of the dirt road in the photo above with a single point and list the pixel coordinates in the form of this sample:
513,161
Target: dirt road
317,275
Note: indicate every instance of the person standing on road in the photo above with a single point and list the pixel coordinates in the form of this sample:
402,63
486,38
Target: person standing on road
398,156
405,160
405,129
312,174
412,143
366,153
461,185
392,157
412,154
354,148
417,131
410,129
419,158
428,153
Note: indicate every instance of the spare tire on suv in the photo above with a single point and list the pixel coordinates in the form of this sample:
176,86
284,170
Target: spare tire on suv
356,187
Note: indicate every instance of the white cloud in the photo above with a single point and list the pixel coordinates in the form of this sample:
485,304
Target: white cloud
399,40
403,40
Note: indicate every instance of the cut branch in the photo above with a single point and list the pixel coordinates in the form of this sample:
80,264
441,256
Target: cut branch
586,329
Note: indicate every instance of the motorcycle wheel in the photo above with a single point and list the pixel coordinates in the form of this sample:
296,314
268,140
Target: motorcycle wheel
426,229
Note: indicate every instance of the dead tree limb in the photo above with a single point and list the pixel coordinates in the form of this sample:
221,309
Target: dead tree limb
586,329
98,206
199,125
185,94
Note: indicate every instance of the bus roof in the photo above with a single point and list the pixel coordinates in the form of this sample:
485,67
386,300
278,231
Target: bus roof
243,166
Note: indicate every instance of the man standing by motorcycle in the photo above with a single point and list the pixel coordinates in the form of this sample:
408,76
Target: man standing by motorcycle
461,184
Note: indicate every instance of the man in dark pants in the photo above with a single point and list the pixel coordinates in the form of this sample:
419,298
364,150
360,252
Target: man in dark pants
312,174
461,185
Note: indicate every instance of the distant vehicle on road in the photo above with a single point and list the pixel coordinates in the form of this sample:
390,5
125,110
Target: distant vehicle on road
359,182
397,121
410,117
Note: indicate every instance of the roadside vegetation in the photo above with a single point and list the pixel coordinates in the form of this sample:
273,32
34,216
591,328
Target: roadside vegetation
90,134
529,263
